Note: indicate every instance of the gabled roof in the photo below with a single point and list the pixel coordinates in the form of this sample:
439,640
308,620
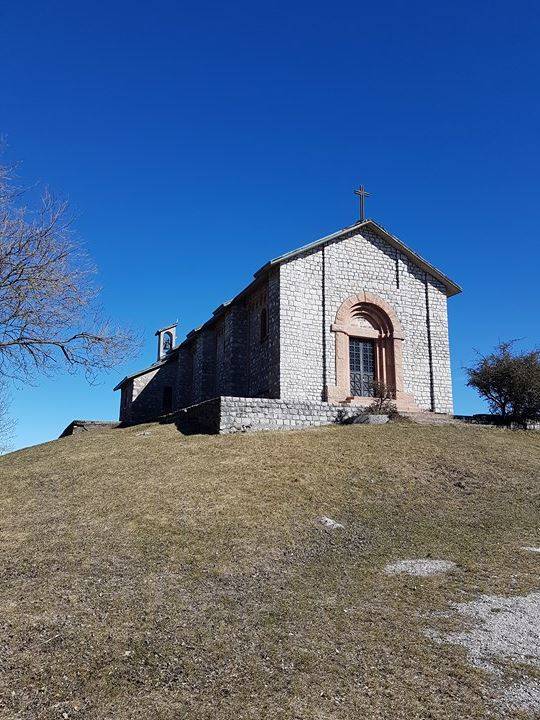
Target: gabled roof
167,327
148,369
451,287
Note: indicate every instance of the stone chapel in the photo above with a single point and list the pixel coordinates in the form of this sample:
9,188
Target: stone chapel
313,334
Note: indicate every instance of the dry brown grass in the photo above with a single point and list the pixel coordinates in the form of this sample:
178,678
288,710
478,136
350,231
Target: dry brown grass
169,577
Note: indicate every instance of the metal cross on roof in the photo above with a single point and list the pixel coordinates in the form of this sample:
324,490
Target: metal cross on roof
362,194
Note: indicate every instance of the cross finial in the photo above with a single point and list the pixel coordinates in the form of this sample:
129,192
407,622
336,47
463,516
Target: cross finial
362,194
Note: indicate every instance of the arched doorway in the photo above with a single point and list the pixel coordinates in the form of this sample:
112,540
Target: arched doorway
368,350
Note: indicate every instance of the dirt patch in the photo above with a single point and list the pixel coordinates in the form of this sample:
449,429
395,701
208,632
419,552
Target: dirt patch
505,634
423,567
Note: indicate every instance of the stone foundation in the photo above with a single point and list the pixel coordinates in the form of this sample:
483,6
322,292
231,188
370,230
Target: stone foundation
238,414
201,418
79,426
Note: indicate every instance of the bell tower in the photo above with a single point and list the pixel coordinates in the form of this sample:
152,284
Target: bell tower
166,340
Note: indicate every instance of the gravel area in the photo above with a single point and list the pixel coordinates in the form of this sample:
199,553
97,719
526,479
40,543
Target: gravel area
423,567
504,628
523,695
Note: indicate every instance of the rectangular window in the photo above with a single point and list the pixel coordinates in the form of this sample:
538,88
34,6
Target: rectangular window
362,366
167,400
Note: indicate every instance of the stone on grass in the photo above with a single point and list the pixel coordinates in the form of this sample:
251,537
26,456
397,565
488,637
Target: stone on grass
376,419
422,567
531,548
328,523
362,418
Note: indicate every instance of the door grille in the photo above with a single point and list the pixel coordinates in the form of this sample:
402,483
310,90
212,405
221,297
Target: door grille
362,366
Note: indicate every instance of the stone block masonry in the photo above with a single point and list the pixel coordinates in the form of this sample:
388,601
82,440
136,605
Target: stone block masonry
234,414
312,288
82,426
249,414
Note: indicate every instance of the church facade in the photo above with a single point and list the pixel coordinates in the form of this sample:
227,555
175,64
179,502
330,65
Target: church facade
315,333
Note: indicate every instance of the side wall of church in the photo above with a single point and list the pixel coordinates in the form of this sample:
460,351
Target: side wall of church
234,356
262,344
143,395
314,285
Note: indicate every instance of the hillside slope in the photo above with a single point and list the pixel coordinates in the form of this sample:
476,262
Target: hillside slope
150,575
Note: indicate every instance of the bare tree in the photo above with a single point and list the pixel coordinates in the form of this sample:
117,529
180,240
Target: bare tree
49,314
7,424
383,399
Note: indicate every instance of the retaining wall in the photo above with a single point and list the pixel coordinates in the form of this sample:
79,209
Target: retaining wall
241,414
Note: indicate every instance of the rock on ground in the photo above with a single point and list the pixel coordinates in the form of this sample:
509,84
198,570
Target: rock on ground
328,523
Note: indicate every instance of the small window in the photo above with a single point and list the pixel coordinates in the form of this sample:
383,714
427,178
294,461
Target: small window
167,400
167,342
263,325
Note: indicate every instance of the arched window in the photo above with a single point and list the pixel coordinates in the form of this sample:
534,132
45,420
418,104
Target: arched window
167,342
263,319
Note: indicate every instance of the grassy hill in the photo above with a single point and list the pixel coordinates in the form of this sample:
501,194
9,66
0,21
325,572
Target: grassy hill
145,574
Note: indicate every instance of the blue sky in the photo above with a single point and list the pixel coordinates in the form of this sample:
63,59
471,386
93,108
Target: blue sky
197,140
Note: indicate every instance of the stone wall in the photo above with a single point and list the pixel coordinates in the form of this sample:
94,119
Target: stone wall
249,414
204,365
262,352
201,418
126,397
312,288
257,347
232,368
184,377
146,402
296,361
227,415
440,342
228,357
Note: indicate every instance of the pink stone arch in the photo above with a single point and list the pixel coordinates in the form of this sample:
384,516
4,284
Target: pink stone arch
385,329
344,314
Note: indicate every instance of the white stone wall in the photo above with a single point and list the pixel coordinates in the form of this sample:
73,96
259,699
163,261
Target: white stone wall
251,414
301,336
440,343
355,263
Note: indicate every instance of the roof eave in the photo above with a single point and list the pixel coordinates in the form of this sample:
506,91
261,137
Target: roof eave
451,287
150,368
167,327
